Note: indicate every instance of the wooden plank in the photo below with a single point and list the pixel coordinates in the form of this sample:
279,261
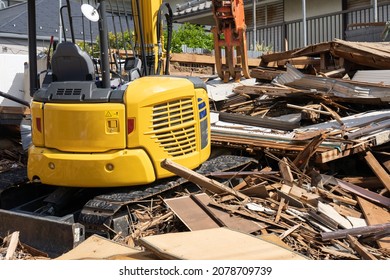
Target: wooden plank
290,199
313,49
289,231
205,59
360,249
372,183
377,168
374,197
219,243
375,215
203,181
246,214
97,248
190,214
259,190
280,208
338,253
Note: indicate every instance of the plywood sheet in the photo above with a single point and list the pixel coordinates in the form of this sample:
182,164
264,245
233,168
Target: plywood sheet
98,248
195,218
216,244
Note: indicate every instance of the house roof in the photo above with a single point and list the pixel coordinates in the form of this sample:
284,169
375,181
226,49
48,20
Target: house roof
14,20
195,11
200,11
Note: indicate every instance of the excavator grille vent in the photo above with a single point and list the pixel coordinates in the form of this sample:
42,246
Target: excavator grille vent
173,127
68,91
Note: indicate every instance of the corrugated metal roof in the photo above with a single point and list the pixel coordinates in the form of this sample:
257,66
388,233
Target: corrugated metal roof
373,76
194,6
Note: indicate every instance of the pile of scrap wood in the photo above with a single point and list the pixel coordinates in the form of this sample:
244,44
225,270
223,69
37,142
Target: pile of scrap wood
256,214
12,249
294,108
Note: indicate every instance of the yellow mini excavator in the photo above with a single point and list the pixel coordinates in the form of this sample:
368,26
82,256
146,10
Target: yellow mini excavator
86,133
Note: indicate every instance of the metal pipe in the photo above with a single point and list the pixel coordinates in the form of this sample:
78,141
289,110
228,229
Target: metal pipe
376,10
15,99
104,59
304,23
141,31
254,25
366,130
32,47
60,22
70,21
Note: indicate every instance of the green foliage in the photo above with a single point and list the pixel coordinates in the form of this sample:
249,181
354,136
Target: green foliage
114,42
194,36
119,41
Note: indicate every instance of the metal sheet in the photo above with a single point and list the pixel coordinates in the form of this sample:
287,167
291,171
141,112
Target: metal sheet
50,236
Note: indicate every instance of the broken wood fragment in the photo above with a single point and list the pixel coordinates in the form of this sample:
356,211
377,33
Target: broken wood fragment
280,208
286,171
13,244
308,151
290,230
339,254
377,168
360,249
335,197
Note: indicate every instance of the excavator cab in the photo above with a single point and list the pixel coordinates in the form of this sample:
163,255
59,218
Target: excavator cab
89,132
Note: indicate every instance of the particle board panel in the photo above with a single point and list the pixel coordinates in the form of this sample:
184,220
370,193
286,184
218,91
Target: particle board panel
195,218
99,248
216,244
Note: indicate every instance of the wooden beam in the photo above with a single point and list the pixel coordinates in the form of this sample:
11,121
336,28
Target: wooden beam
203,181
377,168
375,215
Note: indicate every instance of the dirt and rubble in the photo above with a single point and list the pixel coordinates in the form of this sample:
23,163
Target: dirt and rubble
317,127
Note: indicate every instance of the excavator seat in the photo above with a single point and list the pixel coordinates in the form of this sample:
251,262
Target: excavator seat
70,63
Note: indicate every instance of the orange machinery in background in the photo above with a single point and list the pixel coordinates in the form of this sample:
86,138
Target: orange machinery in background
229,33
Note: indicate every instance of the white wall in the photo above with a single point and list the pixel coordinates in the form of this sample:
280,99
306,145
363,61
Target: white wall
12,77
293,8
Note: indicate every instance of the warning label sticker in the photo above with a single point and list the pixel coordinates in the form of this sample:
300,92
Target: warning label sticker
110,114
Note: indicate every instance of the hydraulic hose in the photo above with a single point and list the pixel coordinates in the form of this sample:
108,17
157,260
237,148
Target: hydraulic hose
169,19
